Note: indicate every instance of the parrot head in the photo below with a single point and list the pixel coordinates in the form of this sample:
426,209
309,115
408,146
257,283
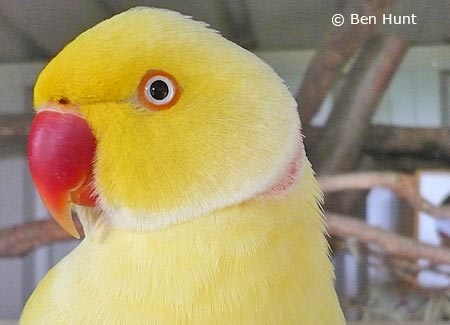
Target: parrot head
151,119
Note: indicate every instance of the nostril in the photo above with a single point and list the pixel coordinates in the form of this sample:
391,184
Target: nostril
63,101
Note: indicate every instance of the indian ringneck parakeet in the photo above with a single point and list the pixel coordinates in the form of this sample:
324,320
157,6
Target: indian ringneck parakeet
182,154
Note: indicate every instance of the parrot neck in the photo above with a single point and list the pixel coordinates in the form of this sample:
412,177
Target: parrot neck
264,254
300,205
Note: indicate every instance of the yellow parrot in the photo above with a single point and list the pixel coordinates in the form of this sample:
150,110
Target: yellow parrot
182,154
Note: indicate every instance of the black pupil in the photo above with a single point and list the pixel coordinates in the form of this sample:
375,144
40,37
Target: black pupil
159,90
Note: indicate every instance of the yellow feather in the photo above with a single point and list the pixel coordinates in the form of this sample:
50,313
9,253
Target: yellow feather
261,262
182,234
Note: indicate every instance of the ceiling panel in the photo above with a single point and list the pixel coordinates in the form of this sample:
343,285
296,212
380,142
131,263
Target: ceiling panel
31,30
433,21
207,11
291,23
52,23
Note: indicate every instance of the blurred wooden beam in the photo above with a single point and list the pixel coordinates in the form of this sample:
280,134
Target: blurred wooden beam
404,148
14,125
340,45
426,143
404,162
14,130
338,148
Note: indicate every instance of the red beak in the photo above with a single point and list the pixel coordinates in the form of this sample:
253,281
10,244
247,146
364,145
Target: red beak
61,150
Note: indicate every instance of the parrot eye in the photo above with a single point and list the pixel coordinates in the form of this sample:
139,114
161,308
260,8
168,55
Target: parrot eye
158,90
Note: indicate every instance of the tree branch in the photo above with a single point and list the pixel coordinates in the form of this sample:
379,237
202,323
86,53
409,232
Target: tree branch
22,239
339,147
340,45
392,244
404,185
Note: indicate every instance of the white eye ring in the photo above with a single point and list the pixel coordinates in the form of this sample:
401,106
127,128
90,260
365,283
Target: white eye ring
149,90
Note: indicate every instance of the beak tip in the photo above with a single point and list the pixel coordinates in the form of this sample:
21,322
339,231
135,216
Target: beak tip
64,219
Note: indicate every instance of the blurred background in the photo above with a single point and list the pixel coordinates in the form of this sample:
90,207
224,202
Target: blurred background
375,106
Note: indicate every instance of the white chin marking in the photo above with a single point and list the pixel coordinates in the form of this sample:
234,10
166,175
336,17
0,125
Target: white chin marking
142,220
